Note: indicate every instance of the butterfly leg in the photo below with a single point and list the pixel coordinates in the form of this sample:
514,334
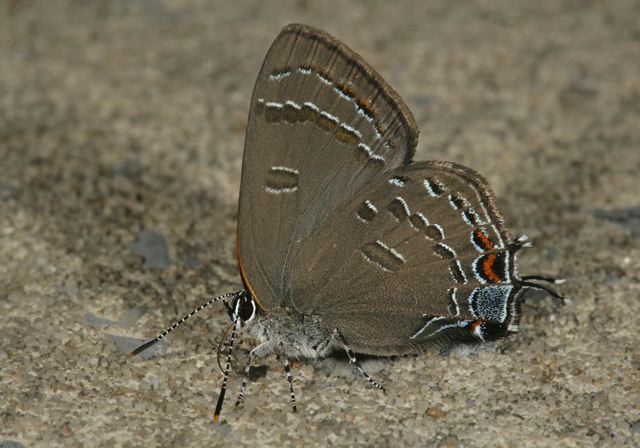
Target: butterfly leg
223,388
287,369
258,352
324,348
354,361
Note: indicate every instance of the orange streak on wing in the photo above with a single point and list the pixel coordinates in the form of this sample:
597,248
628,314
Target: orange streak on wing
488,245
475,324
241,267
487,268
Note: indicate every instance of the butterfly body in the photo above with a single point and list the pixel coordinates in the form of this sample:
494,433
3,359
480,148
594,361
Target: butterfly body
291,336
337,224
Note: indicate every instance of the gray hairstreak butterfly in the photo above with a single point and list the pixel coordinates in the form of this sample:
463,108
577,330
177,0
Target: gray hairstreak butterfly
345,244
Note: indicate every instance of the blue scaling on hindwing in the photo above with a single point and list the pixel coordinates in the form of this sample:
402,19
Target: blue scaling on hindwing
490,303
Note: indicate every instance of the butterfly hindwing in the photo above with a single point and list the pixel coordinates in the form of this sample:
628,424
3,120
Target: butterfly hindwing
404,257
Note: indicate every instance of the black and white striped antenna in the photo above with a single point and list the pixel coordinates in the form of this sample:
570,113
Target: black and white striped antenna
162,335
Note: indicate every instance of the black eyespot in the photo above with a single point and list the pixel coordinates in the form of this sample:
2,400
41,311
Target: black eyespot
247,308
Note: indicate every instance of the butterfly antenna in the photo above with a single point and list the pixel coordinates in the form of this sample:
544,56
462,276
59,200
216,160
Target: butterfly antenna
162,335
223,389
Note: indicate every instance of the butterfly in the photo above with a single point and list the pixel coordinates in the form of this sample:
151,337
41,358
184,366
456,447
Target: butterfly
343,242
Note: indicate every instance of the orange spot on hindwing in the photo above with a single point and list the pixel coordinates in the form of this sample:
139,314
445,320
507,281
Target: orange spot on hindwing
475,324
487,268
492,268
482,241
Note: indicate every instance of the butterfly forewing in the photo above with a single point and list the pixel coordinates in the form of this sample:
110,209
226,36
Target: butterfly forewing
405,251
322,126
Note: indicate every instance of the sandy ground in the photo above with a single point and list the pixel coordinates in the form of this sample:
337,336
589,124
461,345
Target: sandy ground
121,116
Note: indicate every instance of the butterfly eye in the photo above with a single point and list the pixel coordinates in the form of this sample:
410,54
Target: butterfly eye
246,309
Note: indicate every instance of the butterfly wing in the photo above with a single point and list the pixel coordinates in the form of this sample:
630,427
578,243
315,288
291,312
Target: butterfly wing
322,126
420,254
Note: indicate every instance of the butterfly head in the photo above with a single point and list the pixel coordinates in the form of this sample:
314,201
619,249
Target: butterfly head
243,309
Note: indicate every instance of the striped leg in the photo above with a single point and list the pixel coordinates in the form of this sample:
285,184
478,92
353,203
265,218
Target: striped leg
354,361
223,389
326,347
258,352
287,369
